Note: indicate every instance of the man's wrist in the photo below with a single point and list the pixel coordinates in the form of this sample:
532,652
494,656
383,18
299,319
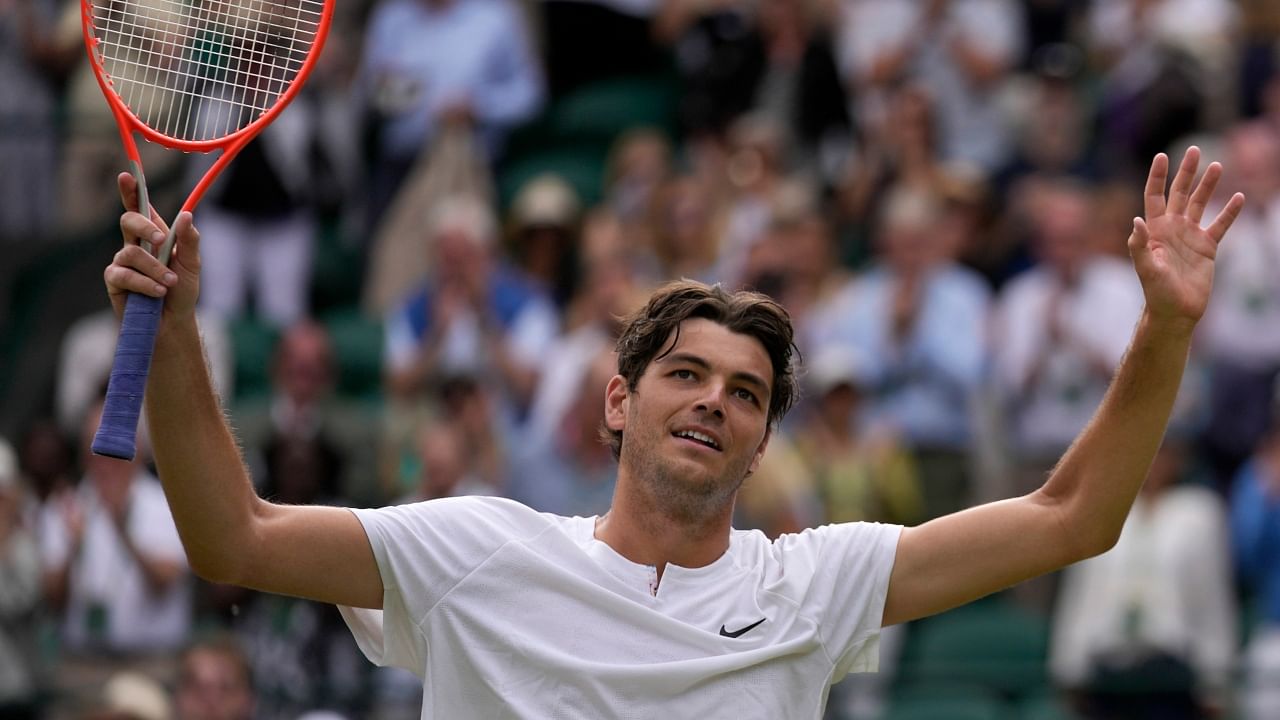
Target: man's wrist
1170,327
177,329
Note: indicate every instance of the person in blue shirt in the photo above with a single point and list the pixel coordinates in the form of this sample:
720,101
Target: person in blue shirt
1255,535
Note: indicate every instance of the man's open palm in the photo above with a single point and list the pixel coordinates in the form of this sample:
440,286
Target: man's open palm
1172,254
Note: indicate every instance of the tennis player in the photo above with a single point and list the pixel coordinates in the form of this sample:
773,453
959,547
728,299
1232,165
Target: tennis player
659,608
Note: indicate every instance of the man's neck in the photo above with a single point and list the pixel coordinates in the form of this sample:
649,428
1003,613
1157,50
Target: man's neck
637,530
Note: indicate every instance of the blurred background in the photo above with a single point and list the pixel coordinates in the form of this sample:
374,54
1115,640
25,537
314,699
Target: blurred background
412,282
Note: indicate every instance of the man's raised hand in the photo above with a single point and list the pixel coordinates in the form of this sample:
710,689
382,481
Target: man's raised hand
1172,253
133,269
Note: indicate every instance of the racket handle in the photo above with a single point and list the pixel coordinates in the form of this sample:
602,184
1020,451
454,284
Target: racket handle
118,430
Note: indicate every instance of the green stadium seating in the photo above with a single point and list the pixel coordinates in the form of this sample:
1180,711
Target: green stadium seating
573,136
605,109
357,346
925,708
253,344
991,644
1046,705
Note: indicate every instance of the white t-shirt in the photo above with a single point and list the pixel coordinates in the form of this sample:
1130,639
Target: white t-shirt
510,613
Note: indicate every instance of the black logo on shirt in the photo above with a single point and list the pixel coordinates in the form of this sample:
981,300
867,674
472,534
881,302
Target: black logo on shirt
739,633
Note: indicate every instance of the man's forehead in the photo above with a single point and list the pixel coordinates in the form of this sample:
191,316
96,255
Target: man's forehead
717,345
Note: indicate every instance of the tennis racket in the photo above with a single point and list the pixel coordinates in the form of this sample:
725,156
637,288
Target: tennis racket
195,76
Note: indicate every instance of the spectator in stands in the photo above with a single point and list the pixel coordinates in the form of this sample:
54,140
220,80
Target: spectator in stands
797,261
1240,336
114,568
474,313
1059,330
31,65
573,472
543,228
719,57
861,470
1255,528
1148,629
688,224
900,149
800,88
920,319
45,459
428,63
471,407
215,682
1155,57
611,288
262,210
960,51
444,468
754,171
305,442
19,594
640,163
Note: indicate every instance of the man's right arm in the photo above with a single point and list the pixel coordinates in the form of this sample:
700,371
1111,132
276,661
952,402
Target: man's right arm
230,534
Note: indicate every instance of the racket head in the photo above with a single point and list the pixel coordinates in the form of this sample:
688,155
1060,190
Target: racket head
202,75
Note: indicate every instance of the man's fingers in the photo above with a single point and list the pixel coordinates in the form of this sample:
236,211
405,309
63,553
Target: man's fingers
128,191
137,228
135,270
1180,191
133,258
1204,192
1222,223
1139,239
186,249
1153,195
129,198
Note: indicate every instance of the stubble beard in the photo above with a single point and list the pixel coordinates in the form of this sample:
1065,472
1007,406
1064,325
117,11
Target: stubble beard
685,500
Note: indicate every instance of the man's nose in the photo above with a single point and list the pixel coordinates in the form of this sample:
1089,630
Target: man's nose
712,401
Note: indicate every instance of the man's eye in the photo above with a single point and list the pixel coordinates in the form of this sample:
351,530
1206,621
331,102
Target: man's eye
747,395
683,374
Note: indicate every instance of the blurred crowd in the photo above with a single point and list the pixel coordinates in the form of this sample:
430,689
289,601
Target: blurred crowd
939,191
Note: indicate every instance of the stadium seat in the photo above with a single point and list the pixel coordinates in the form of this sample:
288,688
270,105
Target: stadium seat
603,110
253,344
927,708
1046,705
990,644
357,346
573,137
582,167
336,272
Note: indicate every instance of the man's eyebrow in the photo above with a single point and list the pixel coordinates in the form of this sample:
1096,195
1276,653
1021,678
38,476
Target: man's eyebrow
691,359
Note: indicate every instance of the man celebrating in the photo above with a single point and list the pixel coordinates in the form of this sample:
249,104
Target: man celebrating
659,605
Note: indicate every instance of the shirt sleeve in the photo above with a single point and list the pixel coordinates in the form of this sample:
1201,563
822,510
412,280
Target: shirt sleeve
423,551
849,566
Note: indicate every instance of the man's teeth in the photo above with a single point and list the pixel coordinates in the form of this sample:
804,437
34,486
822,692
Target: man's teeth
704,439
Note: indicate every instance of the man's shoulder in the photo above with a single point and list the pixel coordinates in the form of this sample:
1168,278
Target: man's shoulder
754,547
484,516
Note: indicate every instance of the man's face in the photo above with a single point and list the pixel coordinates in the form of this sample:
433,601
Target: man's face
697,423
212,687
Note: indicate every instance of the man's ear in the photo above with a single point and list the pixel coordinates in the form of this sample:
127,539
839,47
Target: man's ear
755,459
616,397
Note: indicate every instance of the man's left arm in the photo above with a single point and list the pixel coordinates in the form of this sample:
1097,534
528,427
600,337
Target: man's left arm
1081,509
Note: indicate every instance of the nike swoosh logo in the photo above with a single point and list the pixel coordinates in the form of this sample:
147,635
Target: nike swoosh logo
739,633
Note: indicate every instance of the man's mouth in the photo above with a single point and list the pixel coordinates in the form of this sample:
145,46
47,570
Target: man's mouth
700,438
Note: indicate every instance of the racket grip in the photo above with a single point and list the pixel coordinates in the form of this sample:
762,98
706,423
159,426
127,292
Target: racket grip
118,430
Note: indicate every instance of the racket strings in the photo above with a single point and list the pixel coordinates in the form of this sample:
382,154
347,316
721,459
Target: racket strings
203,69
